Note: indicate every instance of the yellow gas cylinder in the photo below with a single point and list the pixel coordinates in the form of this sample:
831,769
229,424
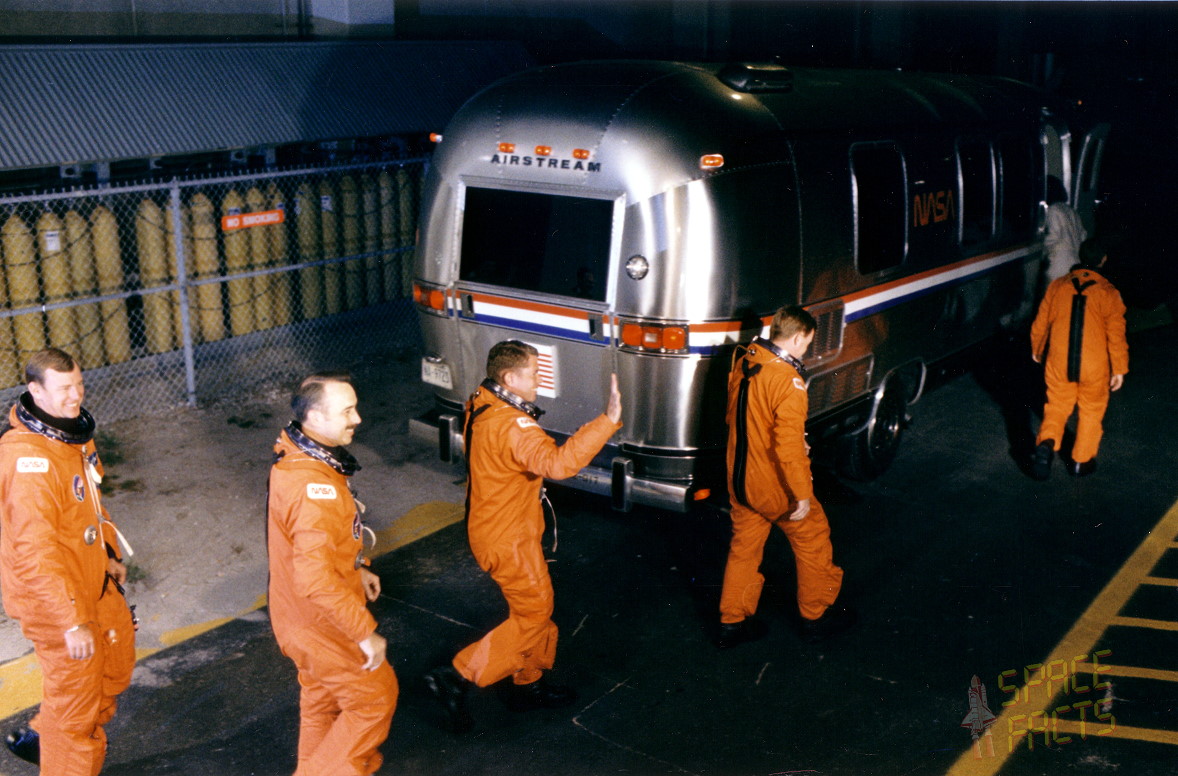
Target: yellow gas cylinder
370,205
237,257
353,242
174,263
108,265
11,367
389,260
333,279
84,283
406,225
20,263
150,233
283,281
204,301
53,252
310,249
259,257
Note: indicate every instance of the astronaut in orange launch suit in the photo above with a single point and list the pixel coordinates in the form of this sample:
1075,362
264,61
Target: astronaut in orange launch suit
1080,327
769,485
319,585
509,455
61,569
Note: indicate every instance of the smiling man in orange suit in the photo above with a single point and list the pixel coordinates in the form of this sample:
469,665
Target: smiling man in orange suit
61,569
509,455
319,586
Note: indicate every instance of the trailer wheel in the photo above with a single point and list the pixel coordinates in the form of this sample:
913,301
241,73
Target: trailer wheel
871,451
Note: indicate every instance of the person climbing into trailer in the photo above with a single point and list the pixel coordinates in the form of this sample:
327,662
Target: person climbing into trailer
769,485
1080,330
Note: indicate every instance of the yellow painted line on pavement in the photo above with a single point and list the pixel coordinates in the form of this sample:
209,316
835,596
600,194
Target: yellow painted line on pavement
1142,622
1132,672
1073,727
20,679
1079,641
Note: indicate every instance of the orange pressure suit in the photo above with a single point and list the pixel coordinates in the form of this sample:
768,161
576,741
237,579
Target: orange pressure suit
1082,317
509,457
768,474
55,542
318,609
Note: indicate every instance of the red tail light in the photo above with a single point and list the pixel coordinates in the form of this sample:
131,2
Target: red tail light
654,337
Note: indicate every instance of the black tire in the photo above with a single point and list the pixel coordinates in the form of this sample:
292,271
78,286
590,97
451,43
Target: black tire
869,453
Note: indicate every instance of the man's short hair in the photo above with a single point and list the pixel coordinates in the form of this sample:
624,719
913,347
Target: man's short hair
49,358
790,320
310,392
1092,251
507,355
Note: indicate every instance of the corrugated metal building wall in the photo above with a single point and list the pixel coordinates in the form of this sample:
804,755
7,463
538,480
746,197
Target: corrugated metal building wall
82,104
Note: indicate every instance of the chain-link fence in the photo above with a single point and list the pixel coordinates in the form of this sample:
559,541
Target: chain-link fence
186,291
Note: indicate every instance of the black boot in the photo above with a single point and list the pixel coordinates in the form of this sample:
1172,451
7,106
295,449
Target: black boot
449,687
537,695
25,743
736,633
1041,460
1082,469
833,621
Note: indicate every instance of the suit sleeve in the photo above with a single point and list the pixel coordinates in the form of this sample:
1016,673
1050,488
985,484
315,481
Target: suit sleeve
538,453
315,576
37,558
1041,327
1118,347
789,438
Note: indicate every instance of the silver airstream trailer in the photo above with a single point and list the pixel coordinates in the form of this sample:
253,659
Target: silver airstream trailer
645,218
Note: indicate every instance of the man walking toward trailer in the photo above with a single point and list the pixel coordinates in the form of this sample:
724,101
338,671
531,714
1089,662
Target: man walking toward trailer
1081,328
769,485
319,585
61,569
509,456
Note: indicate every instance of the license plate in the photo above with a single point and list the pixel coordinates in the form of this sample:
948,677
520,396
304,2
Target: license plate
436,373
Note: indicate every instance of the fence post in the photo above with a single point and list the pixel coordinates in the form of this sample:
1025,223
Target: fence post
182,281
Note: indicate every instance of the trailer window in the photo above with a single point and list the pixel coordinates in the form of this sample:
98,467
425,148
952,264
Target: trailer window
877,173
537,242
1018,197
976,163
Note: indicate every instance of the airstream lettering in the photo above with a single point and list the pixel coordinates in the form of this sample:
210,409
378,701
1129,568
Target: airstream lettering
646,218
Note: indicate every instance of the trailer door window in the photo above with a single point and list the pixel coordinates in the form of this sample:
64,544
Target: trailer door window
537,242
977,190
881,217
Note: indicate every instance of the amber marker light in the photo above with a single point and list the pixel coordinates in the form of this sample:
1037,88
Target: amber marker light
435,137
580,153
543,150
507,148
674,338
711,161
437,299
701,494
